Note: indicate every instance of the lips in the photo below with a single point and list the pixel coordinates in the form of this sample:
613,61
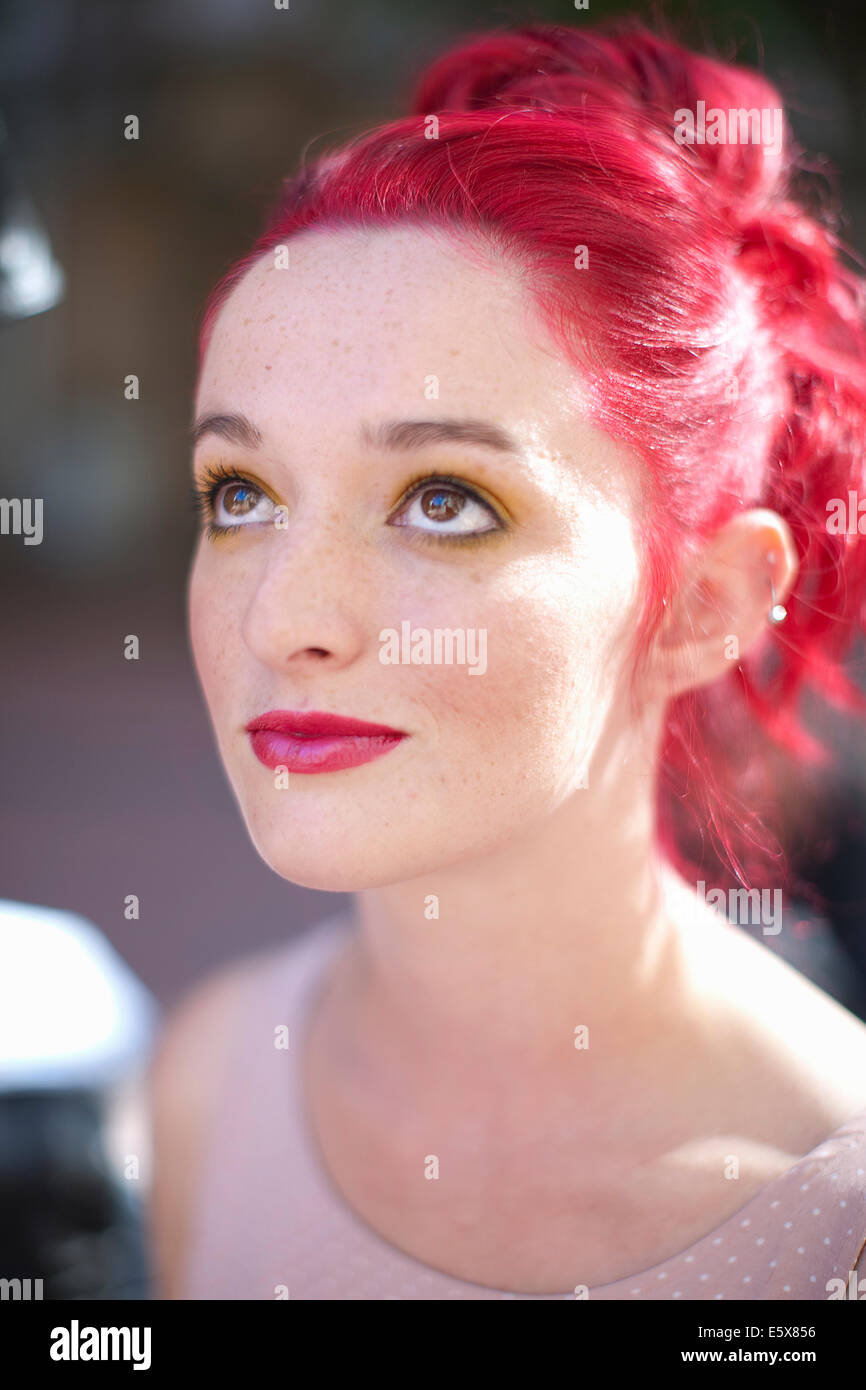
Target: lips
314,741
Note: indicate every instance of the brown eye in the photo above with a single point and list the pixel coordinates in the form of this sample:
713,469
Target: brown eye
441,504
239,502
442,508
238,499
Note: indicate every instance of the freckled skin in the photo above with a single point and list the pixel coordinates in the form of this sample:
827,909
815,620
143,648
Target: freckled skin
456,1035
489,754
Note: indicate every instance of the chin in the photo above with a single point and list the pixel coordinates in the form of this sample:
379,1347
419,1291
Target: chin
325,874
338,864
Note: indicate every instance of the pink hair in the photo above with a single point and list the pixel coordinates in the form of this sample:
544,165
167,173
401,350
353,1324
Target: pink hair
720,332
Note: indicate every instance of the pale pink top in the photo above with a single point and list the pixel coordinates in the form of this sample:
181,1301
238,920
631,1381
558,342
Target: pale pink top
268,1218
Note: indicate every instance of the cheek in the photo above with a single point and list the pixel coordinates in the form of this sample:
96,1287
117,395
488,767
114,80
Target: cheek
554,654
214,628
544,662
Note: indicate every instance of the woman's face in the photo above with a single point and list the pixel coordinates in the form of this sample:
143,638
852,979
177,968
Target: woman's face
338,533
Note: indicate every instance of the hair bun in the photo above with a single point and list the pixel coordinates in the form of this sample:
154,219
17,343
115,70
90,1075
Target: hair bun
640,78
526,64
717,331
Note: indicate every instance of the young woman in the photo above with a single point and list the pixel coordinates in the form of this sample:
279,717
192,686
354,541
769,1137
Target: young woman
517,436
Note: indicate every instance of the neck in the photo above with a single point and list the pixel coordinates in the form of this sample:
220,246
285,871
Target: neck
500,959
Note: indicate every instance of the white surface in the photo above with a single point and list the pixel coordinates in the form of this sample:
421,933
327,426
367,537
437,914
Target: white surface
72,1012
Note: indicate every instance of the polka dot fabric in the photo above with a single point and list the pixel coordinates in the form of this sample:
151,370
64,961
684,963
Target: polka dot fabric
267,1219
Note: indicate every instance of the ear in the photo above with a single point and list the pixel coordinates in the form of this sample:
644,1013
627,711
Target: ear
723,603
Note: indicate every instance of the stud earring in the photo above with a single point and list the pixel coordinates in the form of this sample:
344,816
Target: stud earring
778,612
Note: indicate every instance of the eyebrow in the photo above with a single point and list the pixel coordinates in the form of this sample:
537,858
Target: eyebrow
402,435
237,429
391,435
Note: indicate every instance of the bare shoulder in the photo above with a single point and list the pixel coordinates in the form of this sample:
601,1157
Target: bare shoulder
182,1082
195,1036
815,1049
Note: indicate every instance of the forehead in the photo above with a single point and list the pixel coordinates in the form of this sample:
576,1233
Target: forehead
367,324
361,318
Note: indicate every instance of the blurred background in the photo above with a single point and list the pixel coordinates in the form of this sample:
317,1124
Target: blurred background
111,784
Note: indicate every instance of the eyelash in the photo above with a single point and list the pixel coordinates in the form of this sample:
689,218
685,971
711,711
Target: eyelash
216,476
204,494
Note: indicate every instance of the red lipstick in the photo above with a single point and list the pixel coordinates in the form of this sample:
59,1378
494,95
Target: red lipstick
313,741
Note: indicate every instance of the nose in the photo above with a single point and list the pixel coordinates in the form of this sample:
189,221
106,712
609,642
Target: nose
306,610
